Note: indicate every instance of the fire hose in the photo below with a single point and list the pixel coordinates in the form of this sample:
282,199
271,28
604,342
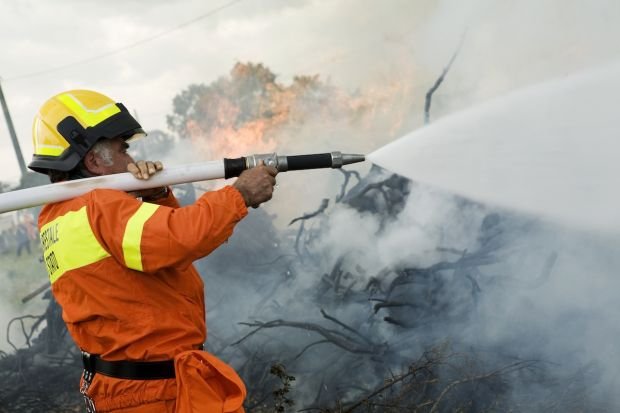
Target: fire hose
226,168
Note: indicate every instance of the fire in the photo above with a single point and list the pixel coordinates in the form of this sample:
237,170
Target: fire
249,112
230,142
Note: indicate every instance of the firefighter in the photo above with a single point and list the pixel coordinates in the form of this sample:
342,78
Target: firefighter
120,264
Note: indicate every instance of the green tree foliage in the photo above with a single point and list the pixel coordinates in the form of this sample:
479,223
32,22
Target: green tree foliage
229,101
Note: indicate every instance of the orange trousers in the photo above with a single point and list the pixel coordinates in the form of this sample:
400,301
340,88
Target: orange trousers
204,384
158,407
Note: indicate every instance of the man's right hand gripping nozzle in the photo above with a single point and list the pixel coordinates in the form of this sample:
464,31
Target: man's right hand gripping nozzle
256,184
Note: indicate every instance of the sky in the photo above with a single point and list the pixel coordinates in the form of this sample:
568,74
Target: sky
151,53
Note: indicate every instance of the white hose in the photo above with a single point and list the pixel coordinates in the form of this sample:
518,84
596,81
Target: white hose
38,195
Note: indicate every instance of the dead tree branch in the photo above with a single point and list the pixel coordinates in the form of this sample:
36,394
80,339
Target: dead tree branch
309,346
346,327
298,238
424,367
344,341
27,335
322,208
36,292
347,176
507,369
438,82
390,304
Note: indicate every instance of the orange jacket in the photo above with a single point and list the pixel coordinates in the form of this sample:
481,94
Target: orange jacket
122,272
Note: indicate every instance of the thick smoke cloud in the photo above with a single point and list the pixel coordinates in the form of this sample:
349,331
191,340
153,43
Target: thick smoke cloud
547,296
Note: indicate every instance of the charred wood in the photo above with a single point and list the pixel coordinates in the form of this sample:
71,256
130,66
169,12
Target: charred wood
438,82
320,210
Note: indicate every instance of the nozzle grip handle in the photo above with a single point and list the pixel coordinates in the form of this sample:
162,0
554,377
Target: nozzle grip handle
314,161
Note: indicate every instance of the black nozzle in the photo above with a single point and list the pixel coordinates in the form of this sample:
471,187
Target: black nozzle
234,167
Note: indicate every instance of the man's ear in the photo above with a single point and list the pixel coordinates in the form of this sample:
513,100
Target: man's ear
93,164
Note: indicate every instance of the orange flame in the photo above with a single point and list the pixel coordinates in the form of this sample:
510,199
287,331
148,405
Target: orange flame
246,113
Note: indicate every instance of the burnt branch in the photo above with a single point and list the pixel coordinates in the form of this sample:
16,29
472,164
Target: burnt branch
332,280
316,343
27,334
438,82
423,367
390,304
36,292
298,238
392,320
322,208
347,176
379,186
481,377
346,327
339,339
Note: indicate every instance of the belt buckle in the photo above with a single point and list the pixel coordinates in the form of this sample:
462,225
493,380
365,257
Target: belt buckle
88,360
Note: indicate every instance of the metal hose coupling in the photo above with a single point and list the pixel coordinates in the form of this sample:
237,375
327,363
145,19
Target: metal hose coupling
234,167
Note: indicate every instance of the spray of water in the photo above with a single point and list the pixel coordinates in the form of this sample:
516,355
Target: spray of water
550,150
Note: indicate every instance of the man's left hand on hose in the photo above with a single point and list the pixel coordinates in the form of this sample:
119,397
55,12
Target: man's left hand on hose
144,170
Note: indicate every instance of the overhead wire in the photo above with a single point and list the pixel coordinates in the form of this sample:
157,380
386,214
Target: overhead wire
126,47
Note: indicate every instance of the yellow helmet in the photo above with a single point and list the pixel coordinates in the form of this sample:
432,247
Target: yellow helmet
70,123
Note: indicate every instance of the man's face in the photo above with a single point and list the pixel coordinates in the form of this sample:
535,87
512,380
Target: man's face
117,159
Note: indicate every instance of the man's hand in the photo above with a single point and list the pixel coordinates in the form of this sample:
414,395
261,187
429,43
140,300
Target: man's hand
144,170
256,184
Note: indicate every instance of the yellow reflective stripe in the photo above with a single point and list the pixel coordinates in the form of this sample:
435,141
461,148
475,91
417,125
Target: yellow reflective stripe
50,150
132,239
89,117
68,243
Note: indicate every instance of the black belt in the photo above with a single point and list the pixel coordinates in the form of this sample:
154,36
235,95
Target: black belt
129,370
